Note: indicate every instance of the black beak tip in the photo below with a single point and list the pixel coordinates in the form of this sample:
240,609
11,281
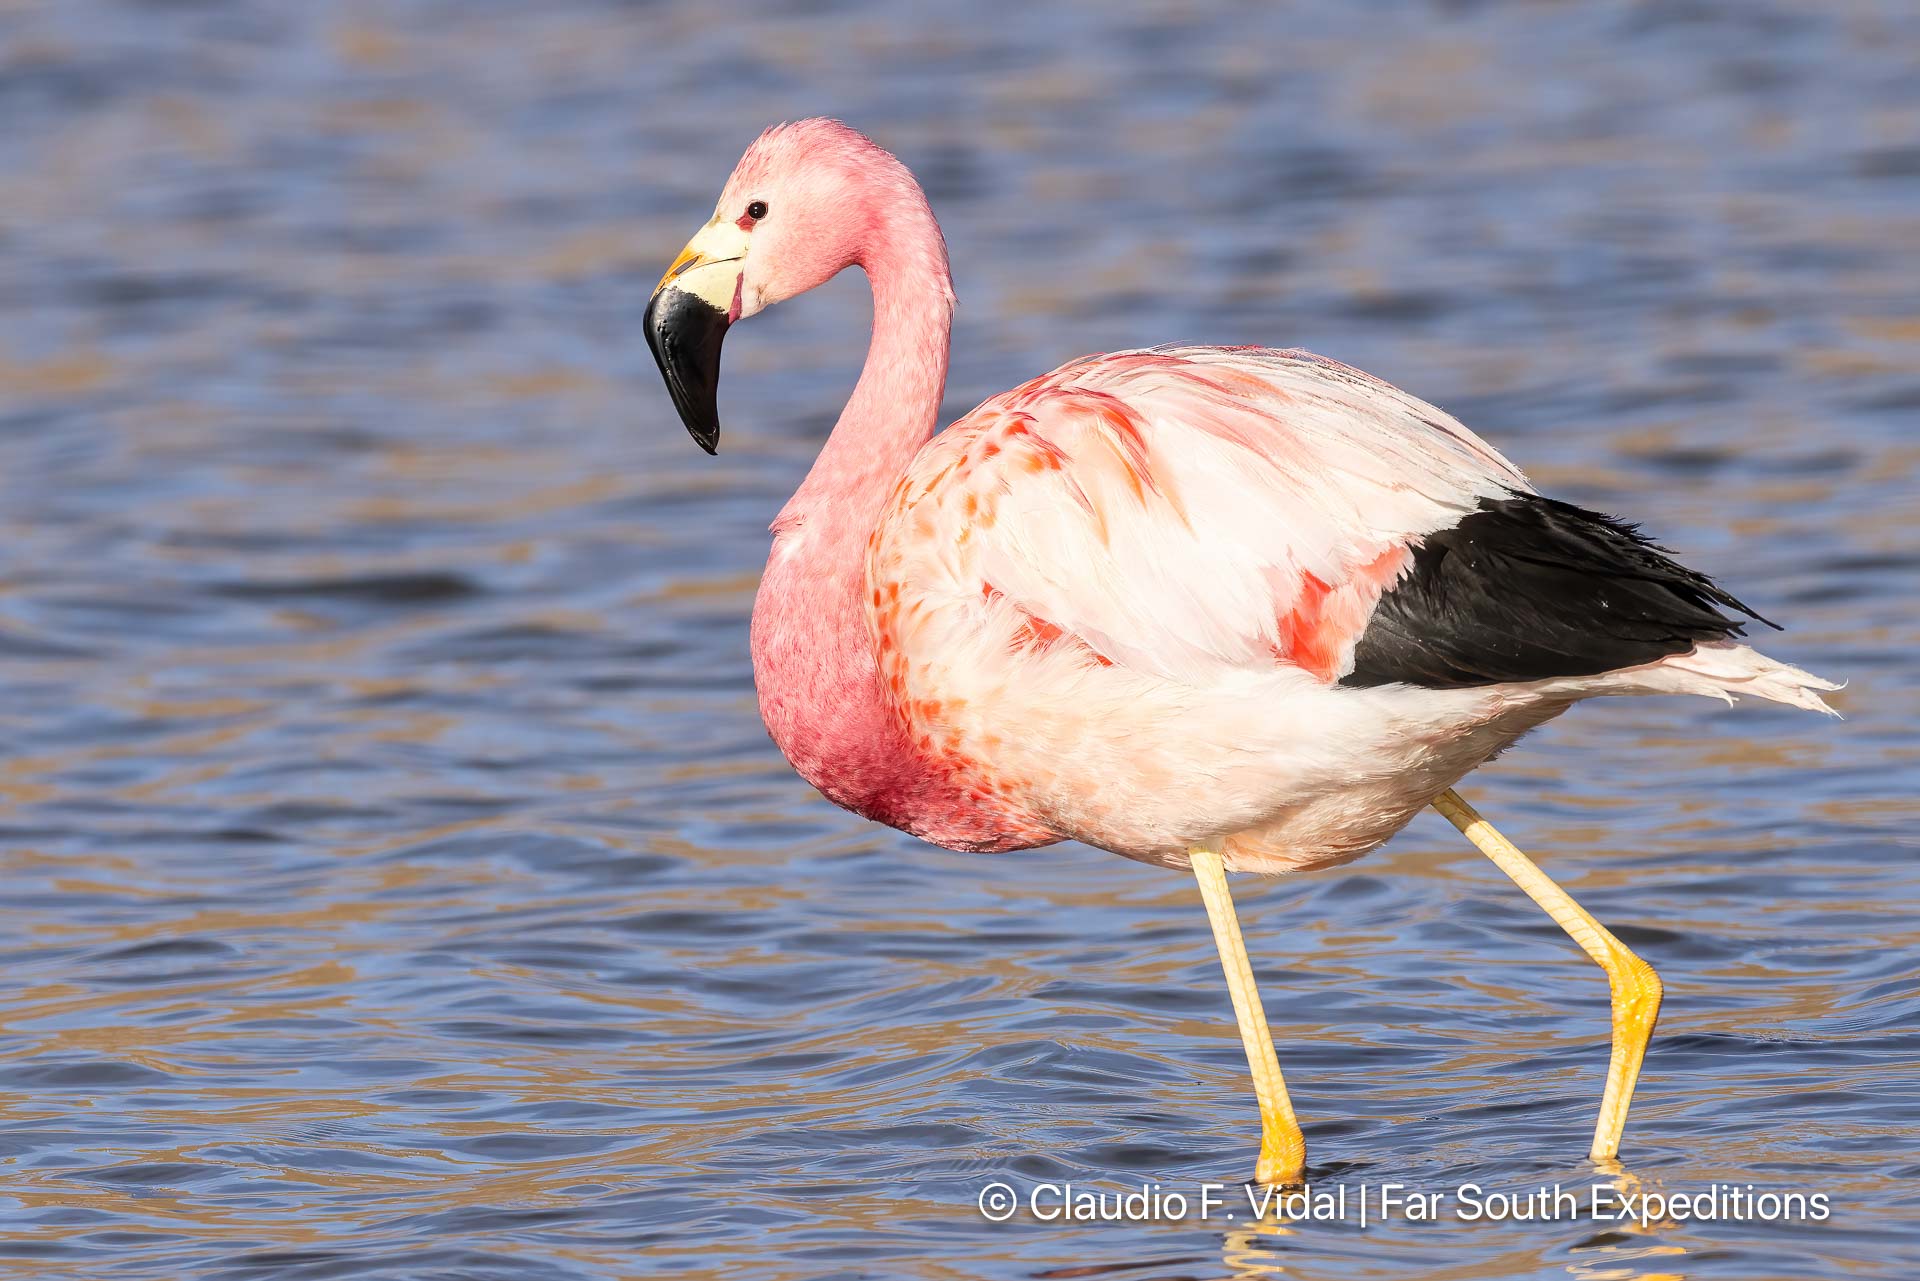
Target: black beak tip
684,332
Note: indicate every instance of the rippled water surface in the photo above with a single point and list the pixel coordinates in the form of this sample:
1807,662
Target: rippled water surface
395,877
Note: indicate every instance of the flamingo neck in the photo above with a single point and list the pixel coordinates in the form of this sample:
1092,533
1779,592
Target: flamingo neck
821,693
895,406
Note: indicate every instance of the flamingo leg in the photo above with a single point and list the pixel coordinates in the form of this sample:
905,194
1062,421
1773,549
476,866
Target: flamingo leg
1635,987
1283,1149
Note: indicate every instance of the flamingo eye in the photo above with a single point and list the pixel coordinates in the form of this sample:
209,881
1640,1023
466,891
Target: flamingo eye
757,210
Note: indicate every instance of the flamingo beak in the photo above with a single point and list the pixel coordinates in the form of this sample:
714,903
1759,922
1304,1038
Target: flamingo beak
687,320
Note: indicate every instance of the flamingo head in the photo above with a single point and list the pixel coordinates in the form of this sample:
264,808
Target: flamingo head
799,207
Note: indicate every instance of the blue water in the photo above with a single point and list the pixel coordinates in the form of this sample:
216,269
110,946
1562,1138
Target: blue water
395,880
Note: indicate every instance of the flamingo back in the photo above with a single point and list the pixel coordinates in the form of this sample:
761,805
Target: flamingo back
1181,510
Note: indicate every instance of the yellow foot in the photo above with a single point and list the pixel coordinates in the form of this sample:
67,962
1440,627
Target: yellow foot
1283,1155
1636,991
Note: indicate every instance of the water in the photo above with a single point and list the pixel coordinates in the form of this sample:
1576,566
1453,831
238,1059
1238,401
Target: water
395,878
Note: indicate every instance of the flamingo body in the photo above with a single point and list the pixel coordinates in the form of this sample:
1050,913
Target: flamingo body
1240,597
1118,603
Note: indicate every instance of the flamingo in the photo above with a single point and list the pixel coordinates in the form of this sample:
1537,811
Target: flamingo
1209,608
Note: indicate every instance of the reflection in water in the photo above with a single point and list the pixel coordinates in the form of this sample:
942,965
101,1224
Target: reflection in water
1608,1260
396,880
1251,1252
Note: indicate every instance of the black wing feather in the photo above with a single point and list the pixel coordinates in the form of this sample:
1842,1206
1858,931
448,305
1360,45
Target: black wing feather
1529,588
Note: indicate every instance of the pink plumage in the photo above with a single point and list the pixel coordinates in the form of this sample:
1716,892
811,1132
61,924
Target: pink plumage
1116,603
1219,607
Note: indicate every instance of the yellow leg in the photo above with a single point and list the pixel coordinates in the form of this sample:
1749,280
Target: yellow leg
1283,1149
1635,987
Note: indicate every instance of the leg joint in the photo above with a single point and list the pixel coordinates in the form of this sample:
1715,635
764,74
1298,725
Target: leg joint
1635,985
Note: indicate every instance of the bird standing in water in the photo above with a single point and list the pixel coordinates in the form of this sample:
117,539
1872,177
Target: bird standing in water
1221,608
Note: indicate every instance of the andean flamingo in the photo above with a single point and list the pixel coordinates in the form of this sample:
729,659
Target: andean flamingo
1218,608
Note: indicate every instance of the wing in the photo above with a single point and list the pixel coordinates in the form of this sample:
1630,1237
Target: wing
1528,588
1179,511
1184,511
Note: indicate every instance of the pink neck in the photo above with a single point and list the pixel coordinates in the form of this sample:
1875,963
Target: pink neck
820,691
895,406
